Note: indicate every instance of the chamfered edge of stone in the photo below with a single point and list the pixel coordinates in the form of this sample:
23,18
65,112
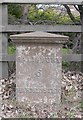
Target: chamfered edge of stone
39,37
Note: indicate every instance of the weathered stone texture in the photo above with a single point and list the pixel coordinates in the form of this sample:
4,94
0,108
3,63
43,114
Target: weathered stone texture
38,69
39,73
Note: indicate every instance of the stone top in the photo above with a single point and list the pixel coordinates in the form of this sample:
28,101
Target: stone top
39,37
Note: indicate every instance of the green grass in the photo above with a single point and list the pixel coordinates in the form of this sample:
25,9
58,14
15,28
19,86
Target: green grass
66,51
11,49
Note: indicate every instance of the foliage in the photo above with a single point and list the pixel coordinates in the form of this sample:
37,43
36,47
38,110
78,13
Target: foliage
50,14
66,51
36,14
77,18
15,10
64,20
11,48
66,65
39,14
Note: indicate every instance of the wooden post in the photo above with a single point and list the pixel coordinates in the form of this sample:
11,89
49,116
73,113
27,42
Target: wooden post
3,41
3,48
82,39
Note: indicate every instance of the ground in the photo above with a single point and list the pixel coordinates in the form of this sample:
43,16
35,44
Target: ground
71,99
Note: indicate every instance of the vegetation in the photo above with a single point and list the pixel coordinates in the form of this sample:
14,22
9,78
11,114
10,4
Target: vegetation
71,80
15,10
35,14
11,49
49,15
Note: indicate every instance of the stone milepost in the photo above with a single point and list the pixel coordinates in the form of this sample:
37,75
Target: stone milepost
39,68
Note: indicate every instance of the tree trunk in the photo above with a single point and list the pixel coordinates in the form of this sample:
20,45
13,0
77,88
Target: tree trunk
69,13
25,13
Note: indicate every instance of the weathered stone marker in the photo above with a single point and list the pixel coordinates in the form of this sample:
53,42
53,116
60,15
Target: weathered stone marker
38,68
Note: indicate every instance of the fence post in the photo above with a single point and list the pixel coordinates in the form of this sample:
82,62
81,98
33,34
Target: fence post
82,38
3,41
3,48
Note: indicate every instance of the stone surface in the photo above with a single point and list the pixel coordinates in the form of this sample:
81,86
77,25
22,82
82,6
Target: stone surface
39,37
38,69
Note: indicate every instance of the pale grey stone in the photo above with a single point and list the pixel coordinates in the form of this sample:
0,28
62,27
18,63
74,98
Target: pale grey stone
39,68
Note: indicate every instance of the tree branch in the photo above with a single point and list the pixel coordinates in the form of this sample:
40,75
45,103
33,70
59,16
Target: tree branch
76,8
69,13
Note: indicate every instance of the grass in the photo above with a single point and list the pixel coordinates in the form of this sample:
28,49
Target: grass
66,51
11,49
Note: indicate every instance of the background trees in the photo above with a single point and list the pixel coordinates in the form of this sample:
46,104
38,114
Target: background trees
57,14
47,14
50,15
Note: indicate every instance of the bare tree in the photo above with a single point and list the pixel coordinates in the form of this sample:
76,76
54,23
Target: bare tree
76,37
25,13
78,8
